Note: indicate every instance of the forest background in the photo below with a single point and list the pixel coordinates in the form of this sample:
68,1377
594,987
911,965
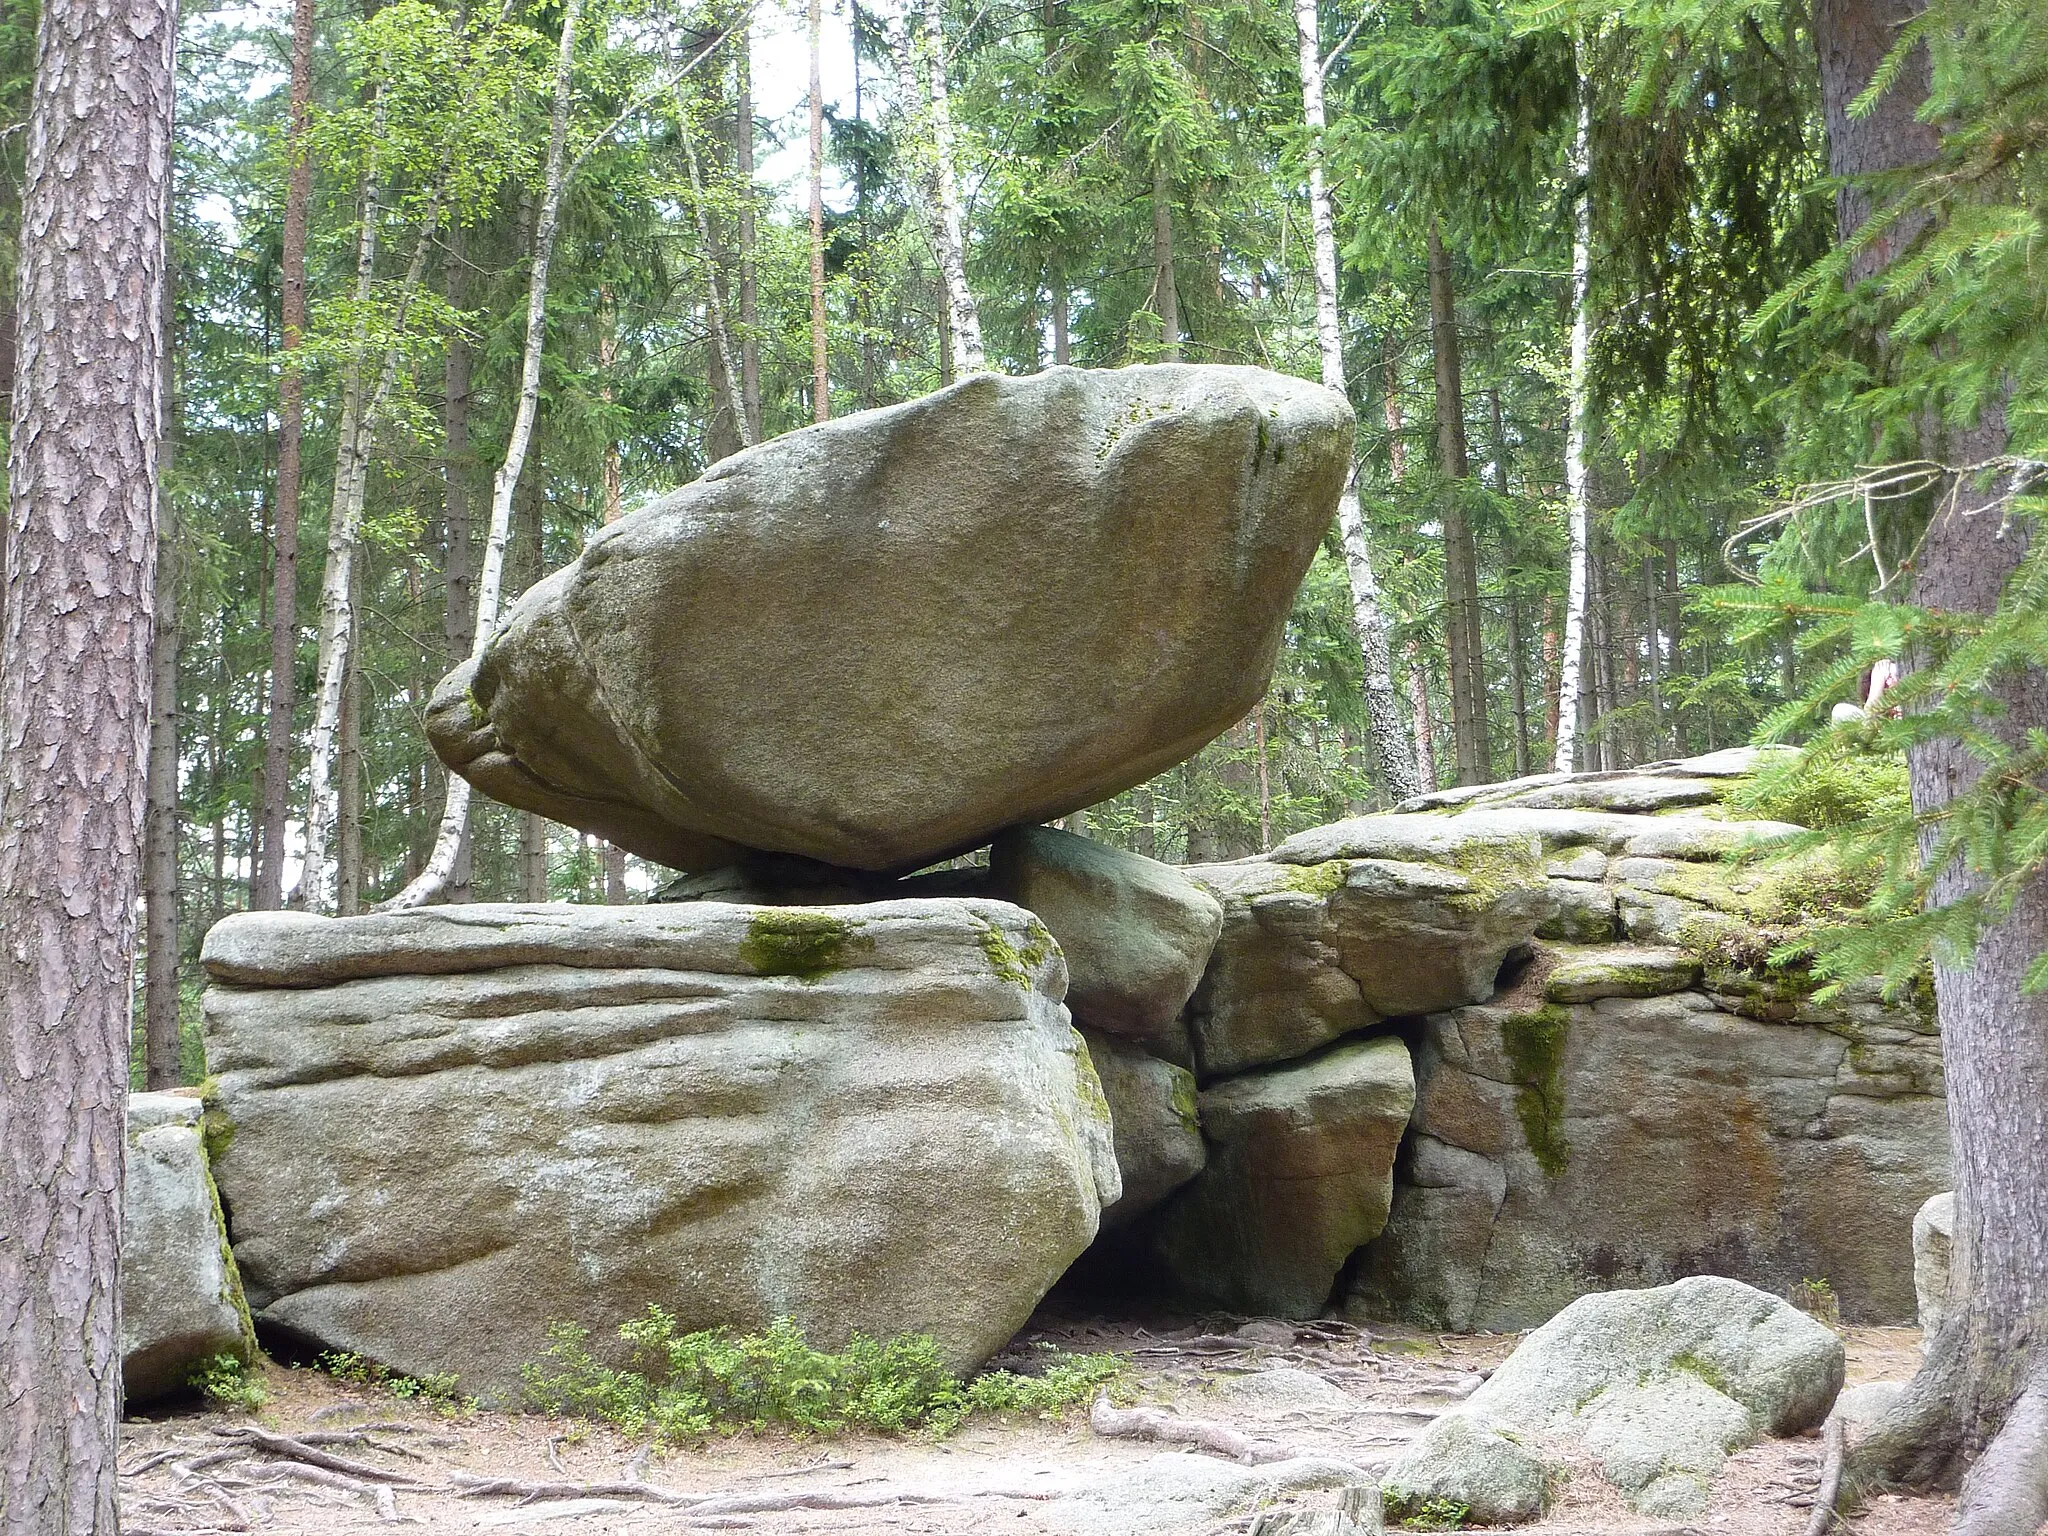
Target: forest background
1127,181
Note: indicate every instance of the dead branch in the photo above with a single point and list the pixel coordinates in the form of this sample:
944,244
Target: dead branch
472,1487
1836,1437
298,1450
1203,1434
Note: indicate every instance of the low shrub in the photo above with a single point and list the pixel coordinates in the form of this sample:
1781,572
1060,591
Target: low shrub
683,1386
228,1382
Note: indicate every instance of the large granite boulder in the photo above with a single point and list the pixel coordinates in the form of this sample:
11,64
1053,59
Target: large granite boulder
181,1299
1564,1147
1659,1385
454,1127
879,641
1299,1175
1338,928
1136,933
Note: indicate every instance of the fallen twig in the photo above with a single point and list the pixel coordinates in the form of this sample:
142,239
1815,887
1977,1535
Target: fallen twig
299,1450
1204,1434
1836,1439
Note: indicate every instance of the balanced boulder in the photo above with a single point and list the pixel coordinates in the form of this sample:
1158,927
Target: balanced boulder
879,641
453,1128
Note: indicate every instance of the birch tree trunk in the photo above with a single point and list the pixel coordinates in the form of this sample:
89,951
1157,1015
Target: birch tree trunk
1393,753
80,568
821,368
267,889
1571,648
750,285
920,55
432,883
714,300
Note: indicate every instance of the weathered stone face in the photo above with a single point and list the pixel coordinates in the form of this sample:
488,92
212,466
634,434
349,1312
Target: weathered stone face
1560,1148
1300,1173
1159,1144
455,1127
879,641
181,1300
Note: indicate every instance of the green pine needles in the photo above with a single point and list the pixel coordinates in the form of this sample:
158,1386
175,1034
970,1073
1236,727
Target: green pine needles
684,1386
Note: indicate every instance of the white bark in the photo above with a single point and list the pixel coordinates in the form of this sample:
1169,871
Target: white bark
920,55
1392,750
1575,443
432,882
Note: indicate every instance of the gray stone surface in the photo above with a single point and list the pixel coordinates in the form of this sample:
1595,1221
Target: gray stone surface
1460,1459
1175,1494
1408,914
1159,1144
1934,1238
1629,788
181,1299
452,1128
1561,1148
1619,970
878,641
1136,933
1300,1173
1659,1384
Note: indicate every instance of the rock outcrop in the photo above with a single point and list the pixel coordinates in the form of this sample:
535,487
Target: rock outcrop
1158,1132
1300,1174
1660,1385
452,1128
1137,934
879,641
1934,1239
181,1299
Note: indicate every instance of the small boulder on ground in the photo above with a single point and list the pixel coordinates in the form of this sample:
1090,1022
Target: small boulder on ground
1136,933
1934,1237
181,1299
1300,1174
1661,1385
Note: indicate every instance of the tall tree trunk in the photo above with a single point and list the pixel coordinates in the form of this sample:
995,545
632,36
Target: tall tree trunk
525,561
1980,1399
821,356
1518,682
725,374
1576,487
267,892
1655,645
348,777
1393,754
1165,291
750,282
458,618
80,569
1461,557
1062,355
1425,718
1553,673
433,881
614,508
919,50
160,832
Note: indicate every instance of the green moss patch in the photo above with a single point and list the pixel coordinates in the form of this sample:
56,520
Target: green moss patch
806,945
1535,1043
1321,880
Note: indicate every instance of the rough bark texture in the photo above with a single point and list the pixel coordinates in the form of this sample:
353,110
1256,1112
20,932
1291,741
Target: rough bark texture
743,172
160,832
821,373
268,890
74,698
1165,292
1980,1400
1462,637
1565,712
458,623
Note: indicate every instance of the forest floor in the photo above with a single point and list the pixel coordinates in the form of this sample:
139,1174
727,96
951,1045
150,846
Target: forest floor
1324,1390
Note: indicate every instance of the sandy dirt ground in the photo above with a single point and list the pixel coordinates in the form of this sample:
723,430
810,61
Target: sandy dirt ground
1325,1390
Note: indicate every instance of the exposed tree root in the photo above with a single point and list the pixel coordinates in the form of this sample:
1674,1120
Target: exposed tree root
1837,1444
2006,1491
297,1450
1203,1434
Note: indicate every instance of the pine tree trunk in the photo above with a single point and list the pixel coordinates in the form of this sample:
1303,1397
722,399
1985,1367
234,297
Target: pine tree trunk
348,774
729,430
1062,355
919,52
1165,292
267,890
1425,719
1461,559
80,563
160,834
1576,487
821,365
750,284
1980,1399
1518,683
1393,754
458,619
433,882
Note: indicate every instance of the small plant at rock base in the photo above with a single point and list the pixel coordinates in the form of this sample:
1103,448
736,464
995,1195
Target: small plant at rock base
435,1389
1817,1298
1427,1514
684,1386
226,1381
